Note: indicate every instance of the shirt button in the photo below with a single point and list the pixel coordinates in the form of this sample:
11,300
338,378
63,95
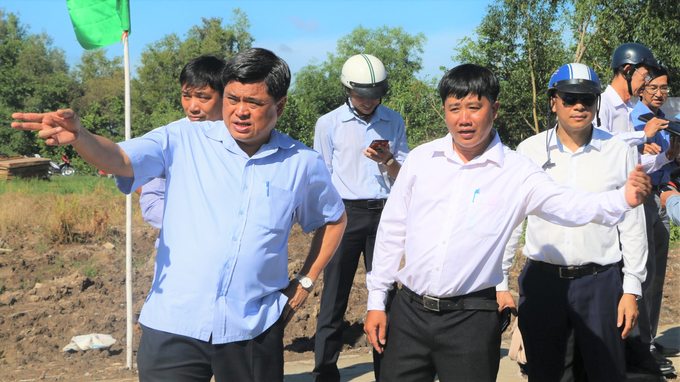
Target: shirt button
245,187
240,212
234,238
437,268
444,242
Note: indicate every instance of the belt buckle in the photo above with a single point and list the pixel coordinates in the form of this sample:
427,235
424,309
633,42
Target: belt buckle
562,276
375,204
431,303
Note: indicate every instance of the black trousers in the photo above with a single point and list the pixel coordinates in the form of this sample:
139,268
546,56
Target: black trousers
169,357
649,306
456,345
359,237
551,307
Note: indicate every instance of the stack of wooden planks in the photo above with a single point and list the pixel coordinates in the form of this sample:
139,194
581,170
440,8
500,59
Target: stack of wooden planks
21,167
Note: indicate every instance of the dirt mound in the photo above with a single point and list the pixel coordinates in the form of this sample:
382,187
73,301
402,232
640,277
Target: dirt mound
50,293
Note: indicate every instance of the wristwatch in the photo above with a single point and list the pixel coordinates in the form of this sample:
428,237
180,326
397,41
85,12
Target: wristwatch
389,162
305,282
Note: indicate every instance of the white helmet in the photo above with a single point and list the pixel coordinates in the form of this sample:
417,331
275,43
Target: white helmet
366,75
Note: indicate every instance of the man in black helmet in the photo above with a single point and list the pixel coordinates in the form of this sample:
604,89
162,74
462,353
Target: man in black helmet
631,63
363,144
652,97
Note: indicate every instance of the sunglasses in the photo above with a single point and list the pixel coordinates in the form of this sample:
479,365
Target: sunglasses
571,99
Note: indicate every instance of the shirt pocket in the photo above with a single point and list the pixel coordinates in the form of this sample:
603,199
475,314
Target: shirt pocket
485,217
273,211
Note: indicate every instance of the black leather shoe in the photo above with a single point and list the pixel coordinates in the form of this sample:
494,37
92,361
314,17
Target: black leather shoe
665,350
650,366
660,359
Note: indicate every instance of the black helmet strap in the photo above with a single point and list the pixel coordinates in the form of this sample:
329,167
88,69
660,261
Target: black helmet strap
365,117
628,75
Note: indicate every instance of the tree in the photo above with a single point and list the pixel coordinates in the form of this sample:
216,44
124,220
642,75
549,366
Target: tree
521,42
599,27
33,78
156,91
524,42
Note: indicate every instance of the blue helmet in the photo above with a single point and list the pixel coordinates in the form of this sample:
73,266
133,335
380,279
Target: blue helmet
575,78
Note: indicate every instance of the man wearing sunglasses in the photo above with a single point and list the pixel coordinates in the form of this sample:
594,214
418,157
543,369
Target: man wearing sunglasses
572,281
641,342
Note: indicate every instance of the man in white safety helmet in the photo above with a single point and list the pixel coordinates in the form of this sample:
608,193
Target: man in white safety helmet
363,144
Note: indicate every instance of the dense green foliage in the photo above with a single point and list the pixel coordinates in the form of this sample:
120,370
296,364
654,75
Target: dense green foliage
523,42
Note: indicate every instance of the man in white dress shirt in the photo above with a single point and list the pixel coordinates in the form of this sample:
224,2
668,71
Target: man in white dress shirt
451,213
572,278
631,64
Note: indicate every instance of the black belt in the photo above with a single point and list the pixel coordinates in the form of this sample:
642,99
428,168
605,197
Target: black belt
368,204
479,300
571,273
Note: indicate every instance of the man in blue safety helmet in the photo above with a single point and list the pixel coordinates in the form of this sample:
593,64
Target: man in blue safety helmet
572,280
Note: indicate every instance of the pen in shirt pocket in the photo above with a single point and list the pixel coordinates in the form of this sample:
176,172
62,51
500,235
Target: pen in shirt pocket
267,188
475,195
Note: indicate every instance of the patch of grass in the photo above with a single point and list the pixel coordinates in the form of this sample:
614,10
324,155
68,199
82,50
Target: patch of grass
41,247
91,271
89,268
675,233
60,185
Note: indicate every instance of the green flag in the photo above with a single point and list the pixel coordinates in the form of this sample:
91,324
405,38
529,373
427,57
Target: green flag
99,23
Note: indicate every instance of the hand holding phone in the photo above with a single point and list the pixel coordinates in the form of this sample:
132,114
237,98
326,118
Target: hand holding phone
378,144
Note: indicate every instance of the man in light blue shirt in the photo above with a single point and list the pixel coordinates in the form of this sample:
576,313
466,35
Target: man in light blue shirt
221,297
641,342
363,145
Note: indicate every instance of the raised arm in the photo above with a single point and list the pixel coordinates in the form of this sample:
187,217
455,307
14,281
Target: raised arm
63,127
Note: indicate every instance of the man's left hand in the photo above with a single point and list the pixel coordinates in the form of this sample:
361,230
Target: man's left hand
628,313
296,298
380,154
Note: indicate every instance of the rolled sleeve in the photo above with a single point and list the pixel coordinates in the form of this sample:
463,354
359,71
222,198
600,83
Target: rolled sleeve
321,202
147,156
673,208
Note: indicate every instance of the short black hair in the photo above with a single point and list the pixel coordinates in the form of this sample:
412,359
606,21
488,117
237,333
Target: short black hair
203,71
257,65
661,71
467,79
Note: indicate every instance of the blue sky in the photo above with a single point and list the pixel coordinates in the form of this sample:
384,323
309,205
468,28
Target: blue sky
297,31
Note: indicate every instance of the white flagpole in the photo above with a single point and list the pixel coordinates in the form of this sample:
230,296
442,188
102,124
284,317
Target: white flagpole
128,214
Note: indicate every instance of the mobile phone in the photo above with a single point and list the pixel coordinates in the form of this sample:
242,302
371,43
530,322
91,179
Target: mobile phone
505,319
377,144
673,127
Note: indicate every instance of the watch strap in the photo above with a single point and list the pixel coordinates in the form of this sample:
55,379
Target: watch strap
306,279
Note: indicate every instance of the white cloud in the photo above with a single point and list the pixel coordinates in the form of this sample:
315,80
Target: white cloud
305,26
